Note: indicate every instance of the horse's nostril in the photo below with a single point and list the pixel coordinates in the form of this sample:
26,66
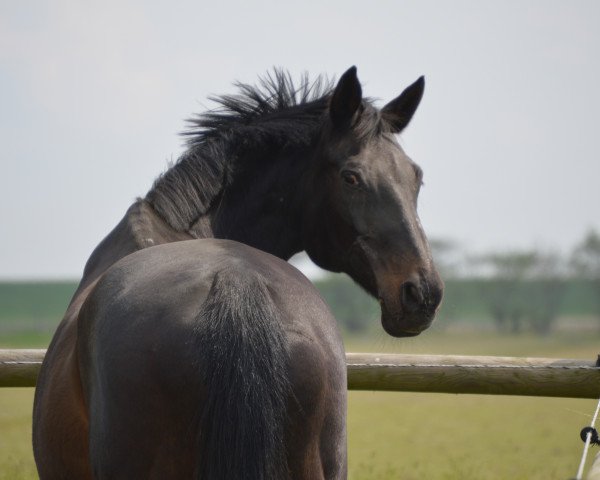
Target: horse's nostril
412,297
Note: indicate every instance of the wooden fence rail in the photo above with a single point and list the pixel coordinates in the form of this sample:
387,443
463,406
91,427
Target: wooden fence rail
20,368
548,377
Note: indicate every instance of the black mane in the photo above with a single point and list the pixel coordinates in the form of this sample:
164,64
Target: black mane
276,114
276,106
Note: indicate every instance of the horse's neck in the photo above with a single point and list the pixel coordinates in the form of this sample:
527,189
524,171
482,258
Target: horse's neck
261,209
256,200
272,226
141,227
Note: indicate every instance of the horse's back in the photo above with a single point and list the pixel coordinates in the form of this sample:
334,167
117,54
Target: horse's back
182,346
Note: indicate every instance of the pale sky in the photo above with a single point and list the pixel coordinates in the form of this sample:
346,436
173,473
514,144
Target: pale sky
93,95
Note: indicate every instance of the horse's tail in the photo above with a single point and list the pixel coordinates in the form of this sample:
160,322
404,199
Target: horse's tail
243,362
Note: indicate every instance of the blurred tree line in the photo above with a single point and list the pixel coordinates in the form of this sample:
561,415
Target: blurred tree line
514,291
517,290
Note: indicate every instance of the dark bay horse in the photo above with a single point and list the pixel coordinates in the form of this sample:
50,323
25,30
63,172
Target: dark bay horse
189,350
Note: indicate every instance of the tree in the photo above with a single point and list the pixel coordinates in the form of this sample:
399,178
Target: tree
449,261
545,292
585,261
524,287
503,291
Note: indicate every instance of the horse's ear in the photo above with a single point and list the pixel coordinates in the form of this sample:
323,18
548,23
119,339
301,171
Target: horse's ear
346,98
400,111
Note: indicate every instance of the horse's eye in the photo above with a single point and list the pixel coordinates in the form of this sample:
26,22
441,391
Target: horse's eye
351,178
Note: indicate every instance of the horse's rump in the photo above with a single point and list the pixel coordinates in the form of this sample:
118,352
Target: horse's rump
184,358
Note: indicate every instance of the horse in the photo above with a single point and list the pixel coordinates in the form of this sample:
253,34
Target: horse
191,348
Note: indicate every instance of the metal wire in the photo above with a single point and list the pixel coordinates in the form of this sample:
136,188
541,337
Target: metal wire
588,438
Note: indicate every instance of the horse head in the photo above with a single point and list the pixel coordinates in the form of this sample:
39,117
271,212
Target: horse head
362,190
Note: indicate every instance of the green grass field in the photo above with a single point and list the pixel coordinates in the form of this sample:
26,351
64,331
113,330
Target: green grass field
418,436
441,436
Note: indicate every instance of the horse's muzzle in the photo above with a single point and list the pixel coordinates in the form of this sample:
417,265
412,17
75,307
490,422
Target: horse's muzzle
411,310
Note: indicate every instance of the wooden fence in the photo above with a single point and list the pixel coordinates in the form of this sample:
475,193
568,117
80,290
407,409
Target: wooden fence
546,377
